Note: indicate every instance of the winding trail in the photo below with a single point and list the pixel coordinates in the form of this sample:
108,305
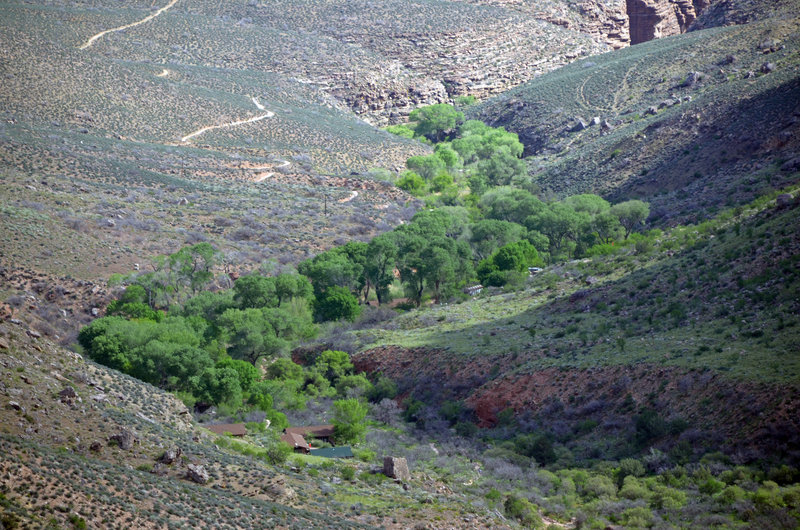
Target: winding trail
264,176
148,18
353,195
198,132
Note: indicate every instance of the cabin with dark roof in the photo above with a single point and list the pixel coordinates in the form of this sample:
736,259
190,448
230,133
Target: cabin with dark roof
235,429
323,433
297,442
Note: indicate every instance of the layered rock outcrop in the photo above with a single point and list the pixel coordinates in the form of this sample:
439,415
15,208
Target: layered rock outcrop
654,19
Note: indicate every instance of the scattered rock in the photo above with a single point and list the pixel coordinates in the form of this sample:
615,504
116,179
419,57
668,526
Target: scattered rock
652,110
767,68
591,280
784,200
595,121
170,455
692,79
96,447
67,394
125,439
279,490
14,405
99,398
197,474
183,201
606,125
579,125
3,344
791,165
35,334
159,469
95,311
729,59
396,468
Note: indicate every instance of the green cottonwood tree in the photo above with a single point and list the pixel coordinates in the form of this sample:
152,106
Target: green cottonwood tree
435,122
348,420
631,214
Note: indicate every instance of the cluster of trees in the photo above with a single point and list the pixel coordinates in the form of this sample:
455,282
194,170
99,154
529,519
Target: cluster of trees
442,249
208,348
469,157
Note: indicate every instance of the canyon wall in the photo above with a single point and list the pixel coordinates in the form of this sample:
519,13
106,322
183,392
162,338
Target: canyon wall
653,19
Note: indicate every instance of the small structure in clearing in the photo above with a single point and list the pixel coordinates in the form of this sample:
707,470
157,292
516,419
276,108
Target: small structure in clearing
343,451
473,290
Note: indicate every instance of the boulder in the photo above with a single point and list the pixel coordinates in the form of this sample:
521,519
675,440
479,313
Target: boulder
125,439
396,468
159,469
68,394
767,68
197,474
170,455
96,447
595,121
692,79
579,125
279,491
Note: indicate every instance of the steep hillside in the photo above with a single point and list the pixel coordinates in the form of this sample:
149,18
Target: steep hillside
380,58
702,327
693,122
84,446
109,161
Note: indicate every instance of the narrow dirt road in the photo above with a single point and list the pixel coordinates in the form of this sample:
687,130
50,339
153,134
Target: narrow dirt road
148,18
200,131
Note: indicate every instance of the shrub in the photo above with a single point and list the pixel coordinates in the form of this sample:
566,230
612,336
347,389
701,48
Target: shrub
667,498
522,510
711,486
633,489
598,486
769,496
348,473
365,455
730,495
638,517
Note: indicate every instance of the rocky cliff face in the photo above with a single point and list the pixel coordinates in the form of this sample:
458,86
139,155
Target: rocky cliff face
653,19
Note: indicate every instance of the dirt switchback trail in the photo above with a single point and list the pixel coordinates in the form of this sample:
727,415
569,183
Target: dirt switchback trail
148,18
198,132
265,176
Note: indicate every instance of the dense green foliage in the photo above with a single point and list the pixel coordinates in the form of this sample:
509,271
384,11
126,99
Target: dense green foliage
482,227
209,349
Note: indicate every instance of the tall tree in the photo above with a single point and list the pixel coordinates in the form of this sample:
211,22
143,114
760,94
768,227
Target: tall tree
631,214
435,122
379,264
